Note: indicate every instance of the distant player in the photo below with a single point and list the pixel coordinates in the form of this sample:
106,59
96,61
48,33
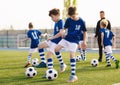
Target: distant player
50,45
74,25
82,46
34,34
107,38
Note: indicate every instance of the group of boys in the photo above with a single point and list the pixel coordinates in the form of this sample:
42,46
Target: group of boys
76,38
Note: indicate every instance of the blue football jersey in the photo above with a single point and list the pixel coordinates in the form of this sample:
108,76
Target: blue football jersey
58,25
108,35
34,36
75,30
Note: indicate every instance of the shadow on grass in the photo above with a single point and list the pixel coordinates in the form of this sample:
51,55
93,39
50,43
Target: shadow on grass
90,68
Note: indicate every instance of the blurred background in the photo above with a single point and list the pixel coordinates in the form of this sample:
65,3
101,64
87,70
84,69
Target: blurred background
16,14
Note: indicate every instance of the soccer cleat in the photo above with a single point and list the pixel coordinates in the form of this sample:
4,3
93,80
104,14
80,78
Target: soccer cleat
109,65
83,58
41,65
62,68
27,65
100,60
117,64
73,79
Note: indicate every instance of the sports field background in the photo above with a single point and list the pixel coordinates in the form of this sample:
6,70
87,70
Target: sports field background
12,71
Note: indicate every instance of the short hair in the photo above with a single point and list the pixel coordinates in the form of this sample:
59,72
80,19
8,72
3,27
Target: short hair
30,25
104,23
102,12
54,11
72,10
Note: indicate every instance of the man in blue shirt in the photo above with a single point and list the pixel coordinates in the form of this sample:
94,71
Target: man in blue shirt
35,40
107,40
50,45
74,24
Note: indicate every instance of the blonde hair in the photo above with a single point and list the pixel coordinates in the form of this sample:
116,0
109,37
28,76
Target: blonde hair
104,23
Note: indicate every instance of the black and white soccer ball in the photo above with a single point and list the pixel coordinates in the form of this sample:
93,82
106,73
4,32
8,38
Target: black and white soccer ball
35,62
78,58
94,62
30,72
51,74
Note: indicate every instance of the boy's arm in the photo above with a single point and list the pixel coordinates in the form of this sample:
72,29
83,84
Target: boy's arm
25,39
113,41
44,35
61,33
21,42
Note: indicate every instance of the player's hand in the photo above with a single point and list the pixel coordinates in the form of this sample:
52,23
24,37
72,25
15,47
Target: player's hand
49,39
62,32
113,45
95,38
45,34
84,45
21,43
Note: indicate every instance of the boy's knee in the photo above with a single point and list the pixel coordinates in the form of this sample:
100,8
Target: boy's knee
56,49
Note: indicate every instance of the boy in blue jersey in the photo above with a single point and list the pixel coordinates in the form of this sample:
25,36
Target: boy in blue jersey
107,38
50,45
34,36
74,24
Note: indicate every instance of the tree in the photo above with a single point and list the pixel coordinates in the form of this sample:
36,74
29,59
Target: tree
67,4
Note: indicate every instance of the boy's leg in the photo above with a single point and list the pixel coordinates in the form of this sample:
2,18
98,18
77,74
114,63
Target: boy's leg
42,57
28,60
115,60
83,52
49,62
62,64
73,76
42,54
108,60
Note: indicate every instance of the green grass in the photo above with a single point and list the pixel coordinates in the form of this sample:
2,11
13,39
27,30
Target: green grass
12,71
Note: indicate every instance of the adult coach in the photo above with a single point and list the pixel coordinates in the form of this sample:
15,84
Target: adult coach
98,35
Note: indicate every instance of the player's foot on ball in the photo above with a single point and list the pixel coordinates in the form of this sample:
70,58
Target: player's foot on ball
109,65
73,79
41,65
27,65
62,68
117,64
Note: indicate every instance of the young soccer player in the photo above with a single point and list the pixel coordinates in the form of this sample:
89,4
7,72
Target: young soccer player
107,38
34,34
74,24
50,45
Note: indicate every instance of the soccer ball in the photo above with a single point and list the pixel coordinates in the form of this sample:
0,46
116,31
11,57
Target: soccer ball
35,62
94,62
78,58
30,72
51,74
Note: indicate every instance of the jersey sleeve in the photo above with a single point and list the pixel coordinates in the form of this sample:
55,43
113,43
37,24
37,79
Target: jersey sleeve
84,29
39,33
66,23
28,34
60,25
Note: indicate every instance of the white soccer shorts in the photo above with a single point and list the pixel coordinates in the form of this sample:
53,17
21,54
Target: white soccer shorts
108,49
33,50
68,46
51,47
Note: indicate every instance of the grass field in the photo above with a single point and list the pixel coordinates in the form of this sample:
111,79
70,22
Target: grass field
12,71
